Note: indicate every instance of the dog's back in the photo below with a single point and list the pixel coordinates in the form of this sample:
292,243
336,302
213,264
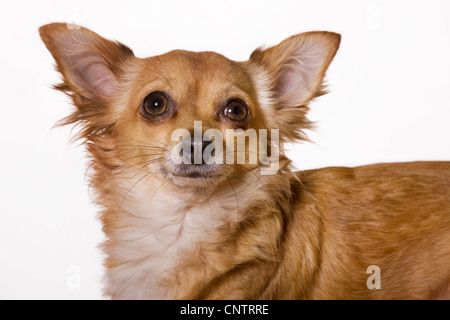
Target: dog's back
395,217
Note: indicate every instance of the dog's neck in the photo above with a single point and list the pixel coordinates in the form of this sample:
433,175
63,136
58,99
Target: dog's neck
156,228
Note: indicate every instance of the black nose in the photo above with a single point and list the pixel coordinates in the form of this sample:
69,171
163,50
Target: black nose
197,150
193,150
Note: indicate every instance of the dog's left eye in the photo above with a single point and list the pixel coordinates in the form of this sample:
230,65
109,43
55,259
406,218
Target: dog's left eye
155,104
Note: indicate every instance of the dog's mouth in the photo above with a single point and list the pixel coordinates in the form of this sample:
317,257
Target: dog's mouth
193,163
192,172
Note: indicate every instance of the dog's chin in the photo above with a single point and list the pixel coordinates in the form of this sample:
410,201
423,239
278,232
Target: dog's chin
193,176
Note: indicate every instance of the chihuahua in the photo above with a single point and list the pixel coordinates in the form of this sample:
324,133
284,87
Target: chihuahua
187,215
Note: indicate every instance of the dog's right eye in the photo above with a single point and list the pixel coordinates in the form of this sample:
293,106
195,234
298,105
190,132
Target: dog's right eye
235,110
155,104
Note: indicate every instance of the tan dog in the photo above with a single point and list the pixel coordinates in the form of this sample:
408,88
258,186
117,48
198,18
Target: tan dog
227,230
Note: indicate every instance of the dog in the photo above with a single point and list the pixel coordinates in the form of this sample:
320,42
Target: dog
225,229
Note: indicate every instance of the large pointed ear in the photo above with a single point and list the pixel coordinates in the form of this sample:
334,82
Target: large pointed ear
89,63
293,71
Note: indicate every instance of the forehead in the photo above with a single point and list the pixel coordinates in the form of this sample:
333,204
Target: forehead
195,77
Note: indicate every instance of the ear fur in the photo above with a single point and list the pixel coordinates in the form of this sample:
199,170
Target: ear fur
88,62
294,71
90,66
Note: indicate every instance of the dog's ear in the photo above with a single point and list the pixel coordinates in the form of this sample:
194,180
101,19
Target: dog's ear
293,72
89,63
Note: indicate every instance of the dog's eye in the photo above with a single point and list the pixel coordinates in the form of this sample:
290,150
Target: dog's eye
235,110
155,104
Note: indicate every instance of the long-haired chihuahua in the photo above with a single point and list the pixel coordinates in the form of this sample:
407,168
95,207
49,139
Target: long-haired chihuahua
199,201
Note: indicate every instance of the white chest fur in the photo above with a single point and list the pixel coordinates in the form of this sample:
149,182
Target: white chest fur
155,230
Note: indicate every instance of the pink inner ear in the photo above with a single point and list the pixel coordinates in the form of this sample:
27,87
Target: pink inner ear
300,76
99,78
85,65
289,85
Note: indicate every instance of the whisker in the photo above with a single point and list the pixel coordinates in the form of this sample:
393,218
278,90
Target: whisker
165,180
209,204
144,146
243,168
142,165
140,155
126,194
235,195
147,137
244,181
135,156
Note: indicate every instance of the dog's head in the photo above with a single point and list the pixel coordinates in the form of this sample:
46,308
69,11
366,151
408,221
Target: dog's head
173,116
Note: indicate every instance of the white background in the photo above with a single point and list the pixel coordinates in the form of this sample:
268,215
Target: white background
389,101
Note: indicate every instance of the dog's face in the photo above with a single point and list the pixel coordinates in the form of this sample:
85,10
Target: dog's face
174,92
141,115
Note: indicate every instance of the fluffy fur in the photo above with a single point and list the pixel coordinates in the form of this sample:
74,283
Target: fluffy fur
240,234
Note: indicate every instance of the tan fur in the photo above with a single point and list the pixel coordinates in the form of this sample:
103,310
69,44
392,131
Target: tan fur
293,235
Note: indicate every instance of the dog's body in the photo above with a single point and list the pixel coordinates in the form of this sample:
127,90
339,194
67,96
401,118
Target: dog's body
329,226
207,231
394,216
